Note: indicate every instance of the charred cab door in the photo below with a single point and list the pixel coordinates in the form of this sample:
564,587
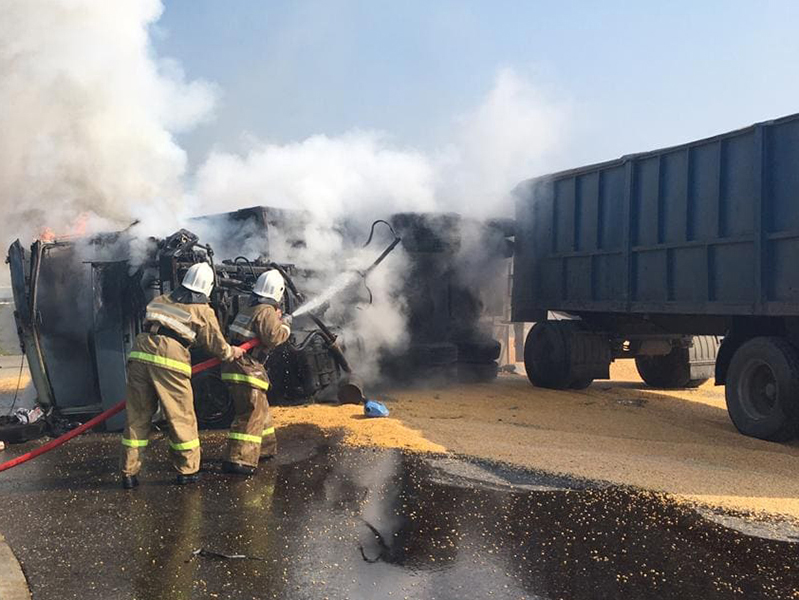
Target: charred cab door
23,289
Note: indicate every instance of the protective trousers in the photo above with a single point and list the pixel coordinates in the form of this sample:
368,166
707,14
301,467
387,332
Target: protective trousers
252,433
147,385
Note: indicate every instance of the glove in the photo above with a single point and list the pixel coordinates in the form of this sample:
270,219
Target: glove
237,352
287,319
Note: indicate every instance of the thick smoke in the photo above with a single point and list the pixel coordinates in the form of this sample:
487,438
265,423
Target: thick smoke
507,137
511,135
88,115
362,175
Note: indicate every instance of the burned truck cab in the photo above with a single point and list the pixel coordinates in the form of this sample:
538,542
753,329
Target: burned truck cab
76,321
80,303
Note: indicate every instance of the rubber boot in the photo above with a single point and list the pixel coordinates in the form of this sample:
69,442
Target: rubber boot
233,468
187,479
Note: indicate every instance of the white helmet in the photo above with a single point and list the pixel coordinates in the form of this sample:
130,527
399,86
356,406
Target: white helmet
270,285
199,278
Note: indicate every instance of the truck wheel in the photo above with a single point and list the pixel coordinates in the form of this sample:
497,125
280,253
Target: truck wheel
672,370
581,384
546,357
762,390
682,367
428,232
433,354
477,372
484,352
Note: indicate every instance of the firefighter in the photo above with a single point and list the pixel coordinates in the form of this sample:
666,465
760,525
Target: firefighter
252,433
159,369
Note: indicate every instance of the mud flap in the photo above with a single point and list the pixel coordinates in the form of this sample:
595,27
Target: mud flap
702,356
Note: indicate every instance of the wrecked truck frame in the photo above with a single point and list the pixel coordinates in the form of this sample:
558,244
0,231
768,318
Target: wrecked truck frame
80,304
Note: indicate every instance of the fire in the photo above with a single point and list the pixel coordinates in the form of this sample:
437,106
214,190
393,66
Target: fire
78,228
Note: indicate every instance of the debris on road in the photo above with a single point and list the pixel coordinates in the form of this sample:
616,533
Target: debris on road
14,431
219,555
374,409
27,416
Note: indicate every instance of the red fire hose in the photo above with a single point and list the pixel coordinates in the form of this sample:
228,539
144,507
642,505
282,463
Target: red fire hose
198,368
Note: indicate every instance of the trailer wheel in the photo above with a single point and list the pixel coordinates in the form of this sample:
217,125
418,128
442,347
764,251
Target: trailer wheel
546,357
581,384
762,390
672,370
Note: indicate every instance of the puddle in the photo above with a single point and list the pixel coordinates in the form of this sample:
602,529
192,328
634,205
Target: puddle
461,472
777,530
636,402
326,520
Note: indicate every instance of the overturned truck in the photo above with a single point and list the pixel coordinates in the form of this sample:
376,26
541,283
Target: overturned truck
80,304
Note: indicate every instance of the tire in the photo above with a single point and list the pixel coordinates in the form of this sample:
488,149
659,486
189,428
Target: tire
479,352
212,402
672,370
432,354
422,362
477,372
581,384
428,232
430,375
546,356
762,389
506,226
14,432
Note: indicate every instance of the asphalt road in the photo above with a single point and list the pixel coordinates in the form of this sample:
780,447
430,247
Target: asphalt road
327,520
14,372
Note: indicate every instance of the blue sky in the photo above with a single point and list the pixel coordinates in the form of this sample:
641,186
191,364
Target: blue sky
634,75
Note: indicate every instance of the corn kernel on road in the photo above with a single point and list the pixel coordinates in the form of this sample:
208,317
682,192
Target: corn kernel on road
676,441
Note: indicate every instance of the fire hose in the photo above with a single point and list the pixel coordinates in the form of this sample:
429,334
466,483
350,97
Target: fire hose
104,416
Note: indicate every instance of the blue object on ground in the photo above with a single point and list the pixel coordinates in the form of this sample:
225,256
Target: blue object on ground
373,408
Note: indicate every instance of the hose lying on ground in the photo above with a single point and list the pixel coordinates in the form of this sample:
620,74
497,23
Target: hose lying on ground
198,368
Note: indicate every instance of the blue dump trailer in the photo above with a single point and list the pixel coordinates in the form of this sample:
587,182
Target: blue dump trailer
656,256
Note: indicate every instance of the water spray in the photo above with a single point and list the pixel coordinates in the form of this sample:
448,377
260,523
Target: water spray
350,390
346,279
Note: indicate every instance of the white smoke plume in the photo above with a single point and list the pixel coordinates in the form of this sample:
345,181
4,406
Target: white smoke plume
333,176
509,136
87,114
362,175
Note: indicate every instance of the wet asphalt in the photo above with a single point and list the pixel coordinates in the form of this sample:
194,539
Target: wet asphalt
329,521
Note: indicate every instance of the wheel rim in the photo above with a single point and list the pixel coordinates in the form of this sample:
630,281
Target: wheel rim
758,390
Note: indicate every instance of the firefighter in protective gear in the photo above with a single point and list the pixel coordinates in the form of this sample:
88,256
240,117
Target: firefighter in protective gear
252,433
159,370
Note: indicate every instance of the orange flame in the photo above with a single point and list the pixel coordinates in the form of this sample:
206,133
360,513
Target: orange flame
78,228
